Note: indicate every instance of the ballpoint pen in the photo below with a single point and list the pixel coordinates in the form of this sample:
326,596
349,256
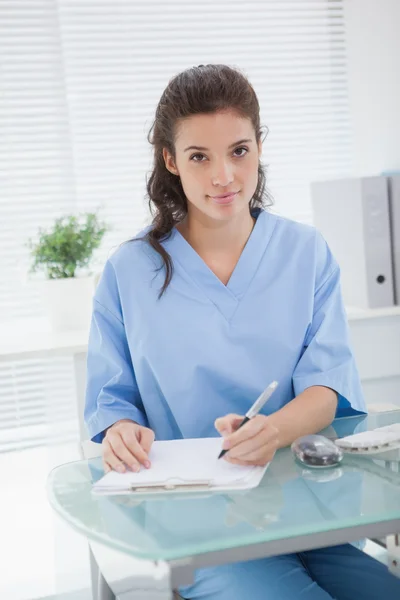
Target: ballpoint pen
255,409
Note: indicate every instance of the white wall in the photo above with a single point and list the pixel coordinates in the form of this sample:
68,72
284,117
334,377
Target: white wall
375,338
372,29
373,41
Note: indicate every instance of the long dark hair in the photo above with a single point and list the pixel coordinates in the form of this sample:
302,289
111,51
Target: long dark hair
202,89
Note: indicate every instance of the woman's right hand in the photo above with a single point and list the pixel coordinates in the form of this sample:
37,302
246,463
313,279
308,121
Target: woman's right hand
127,444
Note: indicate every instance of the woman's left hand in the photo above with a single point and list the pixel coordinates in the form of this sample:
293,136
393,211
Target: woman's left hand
253,444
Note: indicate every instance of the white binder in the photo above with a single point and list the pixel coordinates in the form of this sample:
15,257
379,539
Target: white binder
353,216
189,465
394,204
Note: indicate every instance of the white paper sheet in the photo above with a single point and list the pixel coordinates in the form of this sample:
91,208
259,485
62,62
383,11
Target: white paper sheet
187,461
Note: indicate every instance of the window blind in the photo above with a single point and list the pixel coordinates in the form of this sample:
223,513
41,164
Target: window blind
119,56
36,185
80,81
37,403
36,181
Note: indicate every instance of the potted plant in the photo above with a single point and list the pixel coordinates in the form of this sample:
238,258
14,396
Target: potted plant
64,254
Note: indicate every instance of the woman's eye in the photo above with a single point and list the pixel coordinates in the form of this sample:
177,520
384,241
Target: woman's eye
242,151
197,157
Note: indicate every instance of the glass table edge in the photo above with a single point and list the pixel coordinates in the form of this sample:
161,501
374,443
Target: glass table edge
200,549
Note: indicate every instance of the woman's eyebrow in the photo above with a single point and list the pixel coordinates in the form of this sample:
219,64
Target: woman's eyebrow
206,149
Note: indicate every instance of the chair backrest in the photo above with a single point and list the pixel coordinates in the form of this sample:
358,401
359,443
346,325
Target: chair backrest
87,448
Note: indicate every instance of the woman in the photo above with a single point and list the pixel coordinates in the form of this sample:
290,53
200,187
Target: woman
214,300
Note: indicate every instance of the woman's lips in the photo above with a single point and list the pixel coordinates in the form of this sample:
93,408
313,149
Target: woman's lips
224,198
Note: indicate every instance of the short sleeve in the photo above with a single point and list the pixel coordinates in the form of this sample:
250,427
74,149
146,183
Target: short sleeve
327,358
111,390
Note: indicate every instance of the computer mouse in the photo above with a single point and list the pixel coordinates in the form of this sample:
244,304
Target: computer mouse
316,451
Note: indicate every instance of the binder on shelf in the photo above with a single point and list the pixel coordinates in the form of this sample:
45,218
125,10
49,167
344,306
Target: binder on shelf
353,215
394,209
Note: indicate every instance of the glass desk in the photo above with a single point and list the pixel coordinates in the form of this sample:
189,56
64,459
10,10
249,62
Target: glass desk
293,509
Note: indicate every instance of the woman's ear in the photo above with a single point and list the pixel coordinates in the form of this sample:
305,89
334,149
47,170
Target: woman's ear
169,162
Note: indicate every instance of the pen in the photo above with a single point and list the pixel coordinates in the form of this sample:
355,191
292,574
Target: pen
255,409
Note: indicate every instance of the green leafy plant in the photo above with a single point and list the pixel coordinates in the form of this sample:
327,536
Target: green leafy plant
68,246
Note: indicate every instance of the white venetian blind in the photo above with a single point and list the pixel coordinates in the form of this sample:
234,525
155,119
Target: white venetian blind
36,181
79,83
36,185
119,56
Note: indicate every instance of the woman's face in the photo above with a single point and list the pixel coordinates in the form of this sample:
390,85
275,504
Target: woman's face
217,159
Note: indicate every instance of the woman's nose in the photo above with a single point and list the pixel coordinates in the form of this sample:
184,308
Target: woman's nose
222,174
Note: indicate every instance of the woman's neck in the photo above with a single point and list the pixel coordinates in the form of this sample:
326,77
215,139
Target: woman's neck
217,237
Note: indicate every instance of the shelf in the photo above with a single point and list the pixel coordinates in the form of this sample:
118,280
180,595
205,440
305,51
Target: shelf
355,313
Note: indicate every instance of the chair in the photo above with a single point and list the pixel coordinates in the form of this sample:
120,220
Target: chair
89,449
100,588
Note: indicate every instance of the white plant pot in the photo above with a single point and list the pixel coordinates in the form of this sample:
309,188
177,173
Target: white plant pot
68,302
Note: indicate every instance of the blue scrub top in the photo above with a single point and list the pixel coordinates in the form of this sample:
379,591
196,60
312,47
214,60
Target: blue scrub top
206,349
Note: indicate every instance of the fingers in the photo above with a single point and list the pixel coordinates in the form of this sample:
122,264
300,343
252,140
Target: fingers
110,461
255,443
122,448
146,439
132,440
117,455
249,430
257,456
226,425
260,458
248,446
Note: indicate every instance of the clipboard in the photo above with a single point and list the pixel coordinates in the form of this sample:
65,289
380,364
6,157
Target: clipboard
182,466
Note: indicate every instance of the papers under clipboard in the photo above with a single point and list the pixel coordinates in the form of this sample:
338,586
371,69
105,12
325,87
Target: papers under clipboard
189,465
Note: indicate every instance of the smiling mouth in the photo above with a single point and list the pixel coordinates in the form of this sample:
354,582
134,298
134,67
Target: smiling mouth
224,198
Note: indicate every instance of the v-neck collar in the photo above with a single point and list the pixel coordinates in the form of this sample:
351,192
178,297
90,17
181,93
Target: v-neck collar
225,297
